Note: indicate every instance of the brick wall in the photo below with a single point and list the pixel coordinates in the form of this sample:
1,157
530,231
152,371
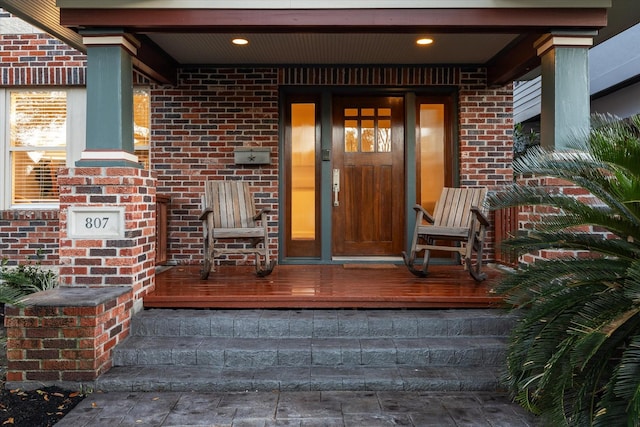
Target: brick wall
197,125
17,243
486,133
67,335
486,138
39,59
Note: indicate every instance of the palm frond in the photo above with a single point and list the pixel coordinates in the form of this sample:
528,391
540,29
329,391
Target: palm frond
621,250
617,142
620,404
619,217
11,296
632,283
553,278
574,355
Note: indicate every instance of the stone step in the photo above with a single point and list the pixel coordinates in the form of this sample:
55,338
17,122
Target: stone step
285,352
239,350
322,323
322,378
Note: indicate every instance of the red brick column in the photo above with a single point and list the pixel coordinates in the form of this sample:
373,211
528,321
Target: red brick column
127,260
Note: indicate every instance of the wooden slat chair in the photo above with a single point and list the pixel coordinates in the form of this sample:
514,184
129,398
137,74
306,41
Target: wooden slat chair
228,212
457,225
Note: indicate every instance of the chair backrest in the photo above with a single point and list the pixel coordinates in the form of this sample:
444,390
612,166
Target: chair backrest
454,207
231,202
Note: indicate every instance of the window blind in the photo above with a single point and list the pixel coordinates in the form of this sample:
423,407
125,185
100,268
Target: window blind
38,137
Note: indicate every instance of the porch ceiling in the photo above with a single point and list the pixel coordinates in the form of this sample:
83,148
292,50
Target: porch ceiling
499,38
303,48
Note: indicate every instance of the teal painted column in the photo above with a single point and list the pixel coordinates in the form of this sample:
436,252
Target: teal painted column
109,101
565,110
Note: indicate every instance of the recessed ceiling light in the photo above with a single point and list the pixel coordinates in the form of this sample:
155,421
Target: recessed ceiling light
424,41
240,42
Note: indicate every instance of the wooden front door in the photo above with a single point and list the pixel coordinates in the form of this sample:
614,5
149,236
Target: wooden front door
368,183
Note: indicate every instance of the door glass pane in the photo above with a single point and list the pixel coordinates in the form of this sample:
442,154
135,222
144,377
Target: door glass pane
384,136
303,171
431,142
351,136
366,132
368,136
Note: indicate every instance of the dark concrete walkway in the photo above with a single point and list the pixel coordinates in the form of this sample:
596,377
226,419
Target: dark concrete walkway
298,408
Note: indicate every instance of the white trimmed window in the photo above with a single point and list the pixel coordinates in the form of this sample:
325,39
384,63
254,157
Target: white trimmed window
43,130
38,127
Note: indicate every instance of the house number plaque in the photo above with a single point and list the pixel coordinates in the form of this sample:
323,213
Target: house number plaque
95,222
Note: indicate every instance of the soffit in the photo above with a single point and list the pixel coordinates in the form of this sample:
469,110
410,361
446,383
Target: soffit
306,48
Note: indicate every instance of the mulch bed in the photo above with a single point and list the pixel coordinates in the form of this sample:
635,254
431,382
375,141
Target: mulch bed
36,408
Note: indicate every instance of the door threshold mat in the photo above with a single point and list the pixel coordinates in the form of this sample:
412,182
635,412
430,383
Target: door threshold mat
372,266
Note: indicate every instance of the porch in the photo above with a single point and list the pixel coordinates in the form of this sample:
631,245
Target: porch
323,286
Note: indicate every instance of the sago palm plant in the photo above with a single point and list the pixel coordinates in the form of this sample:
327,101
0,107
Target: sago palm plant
574,357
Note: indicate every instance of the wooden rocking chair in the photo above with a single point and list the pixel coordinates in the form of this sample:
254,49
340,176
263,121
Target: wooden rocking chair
228,212
457,225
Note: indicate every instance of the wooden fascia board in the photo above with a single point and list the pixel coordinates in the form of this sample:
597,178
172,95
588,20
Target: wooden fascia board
337,20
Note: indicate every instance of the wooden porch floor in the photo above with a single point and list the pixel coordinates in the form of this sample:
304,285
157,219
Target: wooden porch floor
322,286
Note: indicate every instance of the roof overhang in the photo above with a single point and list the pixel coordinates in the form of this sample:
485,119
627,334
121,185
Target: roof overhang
497,34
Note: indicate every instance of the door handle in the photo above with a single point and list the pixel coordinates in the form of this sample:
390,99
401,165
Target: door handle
336,187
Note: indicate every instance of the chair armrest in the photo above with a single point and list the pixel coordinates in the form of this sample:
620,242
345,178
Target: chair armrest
425,214
205,213
480,216
260,213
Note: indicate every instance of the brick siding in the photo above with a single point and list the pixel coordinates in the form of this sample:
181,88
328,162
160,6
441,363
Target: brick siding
530,216
39,60
17,231
196,127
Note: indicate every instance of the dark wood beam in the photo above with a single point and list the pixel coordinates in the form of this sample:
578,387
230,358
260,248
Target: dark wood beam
338,20
155,63
515,60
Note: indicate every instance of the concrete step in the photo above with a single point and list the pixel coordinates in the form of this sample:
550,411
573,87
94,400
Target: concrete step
322,323
238,350
322,378
262,352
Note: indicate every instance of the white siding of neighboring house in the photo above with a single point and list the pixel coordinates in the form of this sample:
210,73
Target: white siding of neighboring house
13,25
611,63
